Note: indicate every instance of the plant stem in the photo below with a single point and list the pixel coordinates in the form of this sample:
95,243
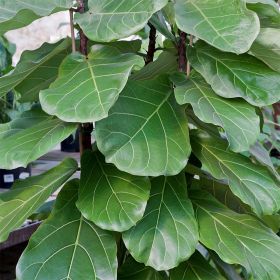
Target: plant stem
152,45
85,129
188,63
182,52
72,30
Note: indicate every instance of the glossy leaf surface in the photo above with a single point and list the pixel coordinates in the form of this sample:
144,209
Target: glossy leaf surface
67,246
155,141
228,26
252,183
110,20
235,116
232,75
238,238
87,87
112,199
26,196
167,234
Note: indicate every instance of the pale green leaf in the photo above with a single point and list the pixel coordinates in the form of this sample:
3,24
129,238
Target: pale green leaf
267,10
67,246
232,75
87,87
267,47
110,20
238,238
196,268
131,270
252,183
110,198
235,116
146,132
25,140
17,204
168,233
35,71
227,25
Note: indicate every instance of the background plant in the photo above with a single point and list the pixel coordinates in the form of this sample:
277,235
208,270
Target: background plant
180,183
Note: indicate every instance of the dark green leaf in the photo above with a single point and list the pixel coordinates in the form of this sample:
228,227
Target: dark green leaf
164,64
232,75
112,199
227,25
26,196
67,246
155,140
196,268
252,183
132,270
110,20
235,116
238,238
167,234
87,87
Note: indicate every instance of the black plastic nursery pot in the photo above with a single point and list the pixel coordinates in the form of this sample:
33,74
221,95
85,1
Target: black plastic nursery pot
7,177
71,144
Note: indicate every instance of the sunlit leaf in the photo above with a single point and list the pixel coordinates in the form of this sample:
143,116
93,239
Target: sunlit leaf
227,25
155,140
110,20
87,87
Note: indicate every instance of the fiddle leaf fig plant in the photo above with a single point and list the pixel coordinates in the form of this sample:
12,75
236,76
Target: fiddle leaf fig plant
178,183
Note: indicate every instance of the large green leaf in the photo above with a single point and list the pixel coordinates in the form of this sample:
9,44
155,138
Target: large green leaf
112,199
35,71
27,195
67,246
24,140
267,10
155,140
131,270
167,234
238,238
196,268
227,25
267,47
87,87
232,75
109,20
252,183
235,116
